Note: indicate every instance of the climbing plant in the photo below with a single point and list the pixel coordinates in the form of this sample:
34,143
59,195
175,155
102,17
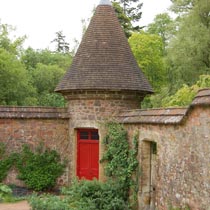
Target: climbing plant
119,192
6,161
39,169
121,160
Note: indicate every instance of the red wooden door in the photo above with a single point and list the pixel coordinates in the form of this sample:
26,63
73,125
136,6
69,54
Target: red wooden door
87,154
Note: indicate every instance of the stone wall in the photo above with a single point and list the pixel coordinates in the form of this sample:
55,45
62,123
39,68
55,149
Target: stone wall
91,109
179,174
31,125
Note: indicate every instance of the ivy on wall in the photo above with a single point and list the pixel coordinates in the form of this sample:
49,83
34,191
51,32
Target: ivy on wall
122,165
39,169
6,161
118,192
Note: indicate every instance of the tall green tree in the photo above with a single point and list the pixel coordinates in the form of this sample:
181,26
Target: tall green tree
61,45
15,82
185,95
181,7
45,79
31,58
148,51
129,13
11,44
188,52
131,9
46,69
164,26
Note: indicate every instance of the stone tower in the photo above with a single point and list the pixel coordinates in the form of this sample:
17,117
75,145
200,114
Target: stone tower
104,78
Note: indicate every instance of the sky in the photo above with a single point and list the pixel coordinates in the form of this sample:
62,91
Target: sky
39,20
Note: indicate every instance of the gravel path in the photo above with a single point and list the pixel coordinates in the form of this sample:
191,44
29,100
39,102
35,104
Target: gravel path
22,205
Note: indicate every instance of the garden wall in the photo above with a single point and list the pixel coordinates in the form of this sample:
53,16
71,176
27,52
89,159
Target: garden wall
174,144
31,125
174,154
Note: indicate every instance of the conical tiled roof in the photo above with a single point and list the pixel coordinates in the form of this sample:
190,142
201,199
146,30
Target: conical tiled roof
104,60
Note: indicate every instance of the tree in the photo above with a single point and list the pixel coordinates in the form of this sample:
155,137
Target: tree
188,52
164,26
128,12
15,83
45,79
131,9
182,6
123,19
46,69
12,45
31,58
29,77
185,95
148,51
61,45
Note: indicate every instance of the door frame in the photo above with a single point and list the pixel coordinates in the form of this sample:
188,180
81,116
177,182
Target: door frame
78,141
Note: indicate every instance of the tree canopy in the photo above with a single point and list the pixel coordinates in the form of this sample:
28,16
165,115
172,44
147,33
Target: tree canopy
188,52
28,76
148,51
129,13
173,54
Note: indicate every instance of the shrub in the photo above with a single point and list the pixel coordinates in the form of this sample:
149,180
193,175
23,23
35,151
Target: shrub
5,192
97,195
121,166
40,169
48,202
82,195
6,161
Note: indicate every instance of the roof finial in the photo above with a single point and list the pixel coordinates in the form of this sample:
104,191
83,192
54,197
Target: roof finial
105,2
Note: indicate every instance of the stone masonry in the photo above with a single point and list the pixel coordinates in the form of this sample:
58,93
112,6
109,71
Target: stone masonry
182,162
32,125
105,83
177,175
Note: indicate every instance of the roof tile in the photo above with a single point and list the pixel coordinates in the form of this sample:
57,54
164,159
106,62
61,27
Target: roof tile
104,60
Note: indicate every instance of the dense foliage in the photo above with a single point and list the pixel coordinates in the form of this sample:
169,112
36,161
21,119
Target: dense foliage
91,195
6,162
5,193
186,54
119,192
29,77
129,13
121,164
172,52
38,169
148,51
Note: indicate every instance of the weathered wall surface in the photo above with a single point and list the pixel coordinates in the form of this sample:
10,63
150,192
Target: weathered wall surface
91,109
31,125
179,174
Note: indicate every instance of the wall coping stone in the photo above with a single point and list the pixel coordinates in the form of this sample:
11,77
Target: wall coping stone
164,115
147,116
202,97
153,116
24,112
